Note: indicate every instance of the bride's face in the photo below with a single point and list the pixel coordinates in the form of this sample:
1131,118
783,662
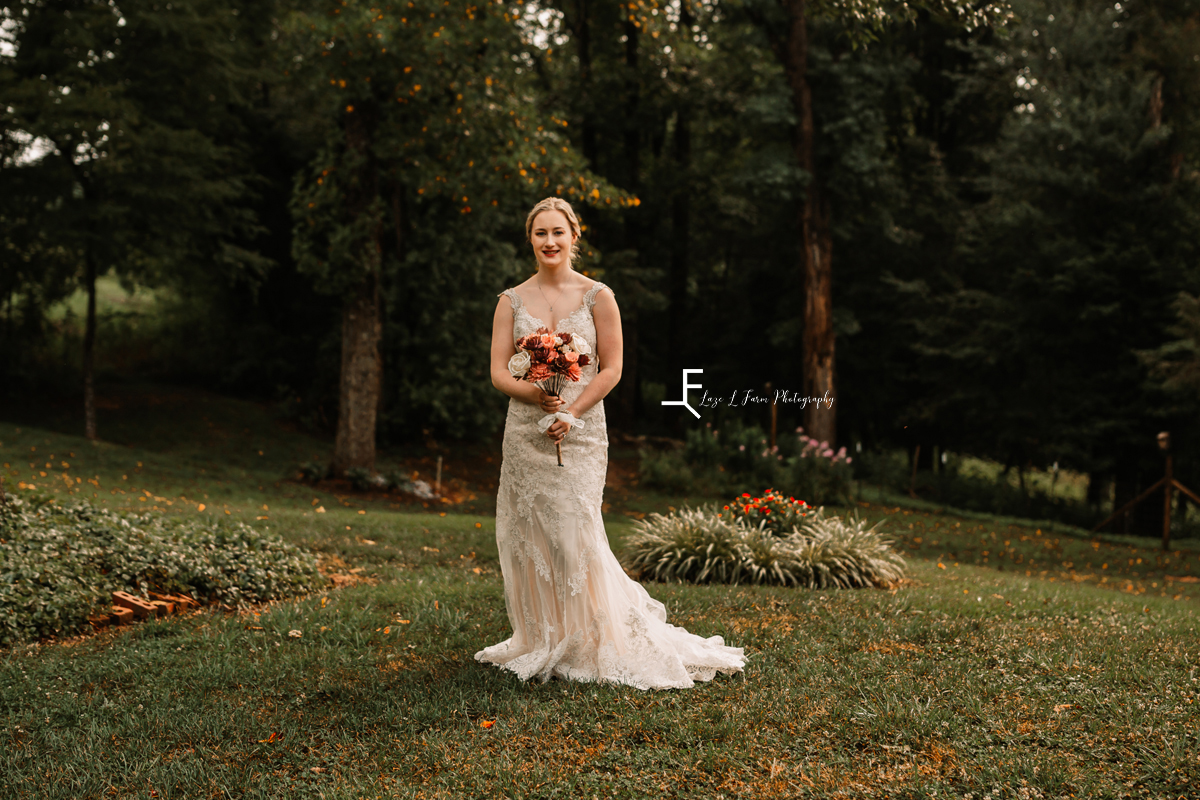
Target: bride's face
552,238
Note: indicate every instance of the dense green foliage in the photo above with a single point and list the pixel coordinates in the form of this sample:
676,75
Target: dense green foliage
60,563
1015,211
737,458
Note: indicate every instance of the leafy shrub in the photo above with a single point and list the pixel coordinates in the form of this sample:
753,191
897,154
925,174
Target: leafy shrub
820,473
700,545
737,457
60,563
312,472
669,471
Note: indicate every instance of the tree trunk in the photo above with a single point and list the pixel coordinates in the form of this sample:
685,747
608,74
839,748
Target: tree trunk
625,397
681,209
89,350
816,238
362,370
362,321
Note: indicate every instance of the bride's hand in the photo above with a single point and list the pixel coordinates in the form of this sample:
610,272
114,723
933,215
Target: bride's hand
550,404
558,430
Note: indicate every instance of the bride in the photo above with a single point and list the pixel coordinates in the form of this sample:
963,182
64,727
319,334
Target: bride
574,612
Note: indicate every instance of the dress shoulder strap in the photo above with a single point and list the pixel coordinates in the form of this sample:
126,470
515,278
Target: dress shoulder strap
589,299
513,298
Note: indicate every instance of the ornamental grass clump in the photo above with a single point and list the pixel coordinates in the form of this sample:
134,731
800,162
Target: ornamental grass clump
60,563
706,546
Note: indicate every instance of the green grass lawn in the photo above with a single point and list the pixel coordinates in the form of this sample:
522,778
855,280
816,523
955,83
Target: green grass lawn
1012,663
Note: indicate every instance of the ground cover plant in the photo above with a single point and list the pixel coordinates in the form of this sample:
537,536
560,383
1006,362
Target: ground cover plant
1003,665
61,562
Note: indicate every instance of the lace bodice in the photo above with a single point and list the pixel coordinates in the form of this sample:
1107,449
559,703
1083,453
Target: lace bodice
574,612
579,321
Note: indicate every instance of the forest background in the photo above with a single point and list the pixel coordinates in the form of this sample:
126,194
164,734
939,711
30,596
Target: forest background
1013,212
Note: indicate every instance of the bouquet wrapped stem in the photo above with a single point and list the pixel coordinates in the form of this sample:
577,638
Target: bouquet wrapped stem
553,387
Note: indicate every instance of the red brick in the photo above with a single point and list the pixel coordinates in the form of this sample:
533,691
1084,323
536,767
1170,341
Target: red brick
121,615
162,607
139,607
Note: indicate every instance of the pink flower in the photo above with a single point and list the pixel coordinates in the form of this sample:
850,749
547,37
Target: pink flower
848,460
741,447
571,356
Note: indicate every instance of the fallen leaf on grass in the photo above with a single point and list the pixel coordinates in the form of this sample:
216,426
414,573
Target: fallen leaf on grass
274,737
1062,707
487,723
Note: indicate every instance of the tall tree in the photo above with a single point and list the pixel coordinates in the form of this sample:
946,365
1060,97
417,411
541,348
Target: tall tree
786,24
424,103
131,103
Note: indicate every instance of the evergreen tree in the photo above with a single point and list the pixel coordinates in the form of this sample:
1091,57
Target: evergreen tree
140,172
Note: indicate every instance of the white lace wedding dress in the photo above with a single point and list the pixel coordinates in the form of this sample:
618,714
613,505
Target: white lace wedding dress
574,612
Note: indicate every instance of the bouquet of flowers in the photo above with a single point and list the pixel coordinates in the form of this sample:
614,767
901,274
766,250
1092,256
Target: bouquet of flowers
548,360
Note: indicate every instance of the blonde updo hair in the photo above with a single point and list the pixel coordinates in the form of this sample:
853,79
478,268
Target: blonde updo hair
556,204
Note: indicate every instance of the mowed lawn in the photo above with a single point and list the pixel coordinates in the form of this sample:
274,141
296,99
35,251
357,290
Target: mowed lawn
1013,663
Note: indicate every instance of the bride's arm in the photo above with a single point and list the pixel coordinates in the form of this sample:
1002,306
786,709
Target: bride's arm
609,350
502,350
